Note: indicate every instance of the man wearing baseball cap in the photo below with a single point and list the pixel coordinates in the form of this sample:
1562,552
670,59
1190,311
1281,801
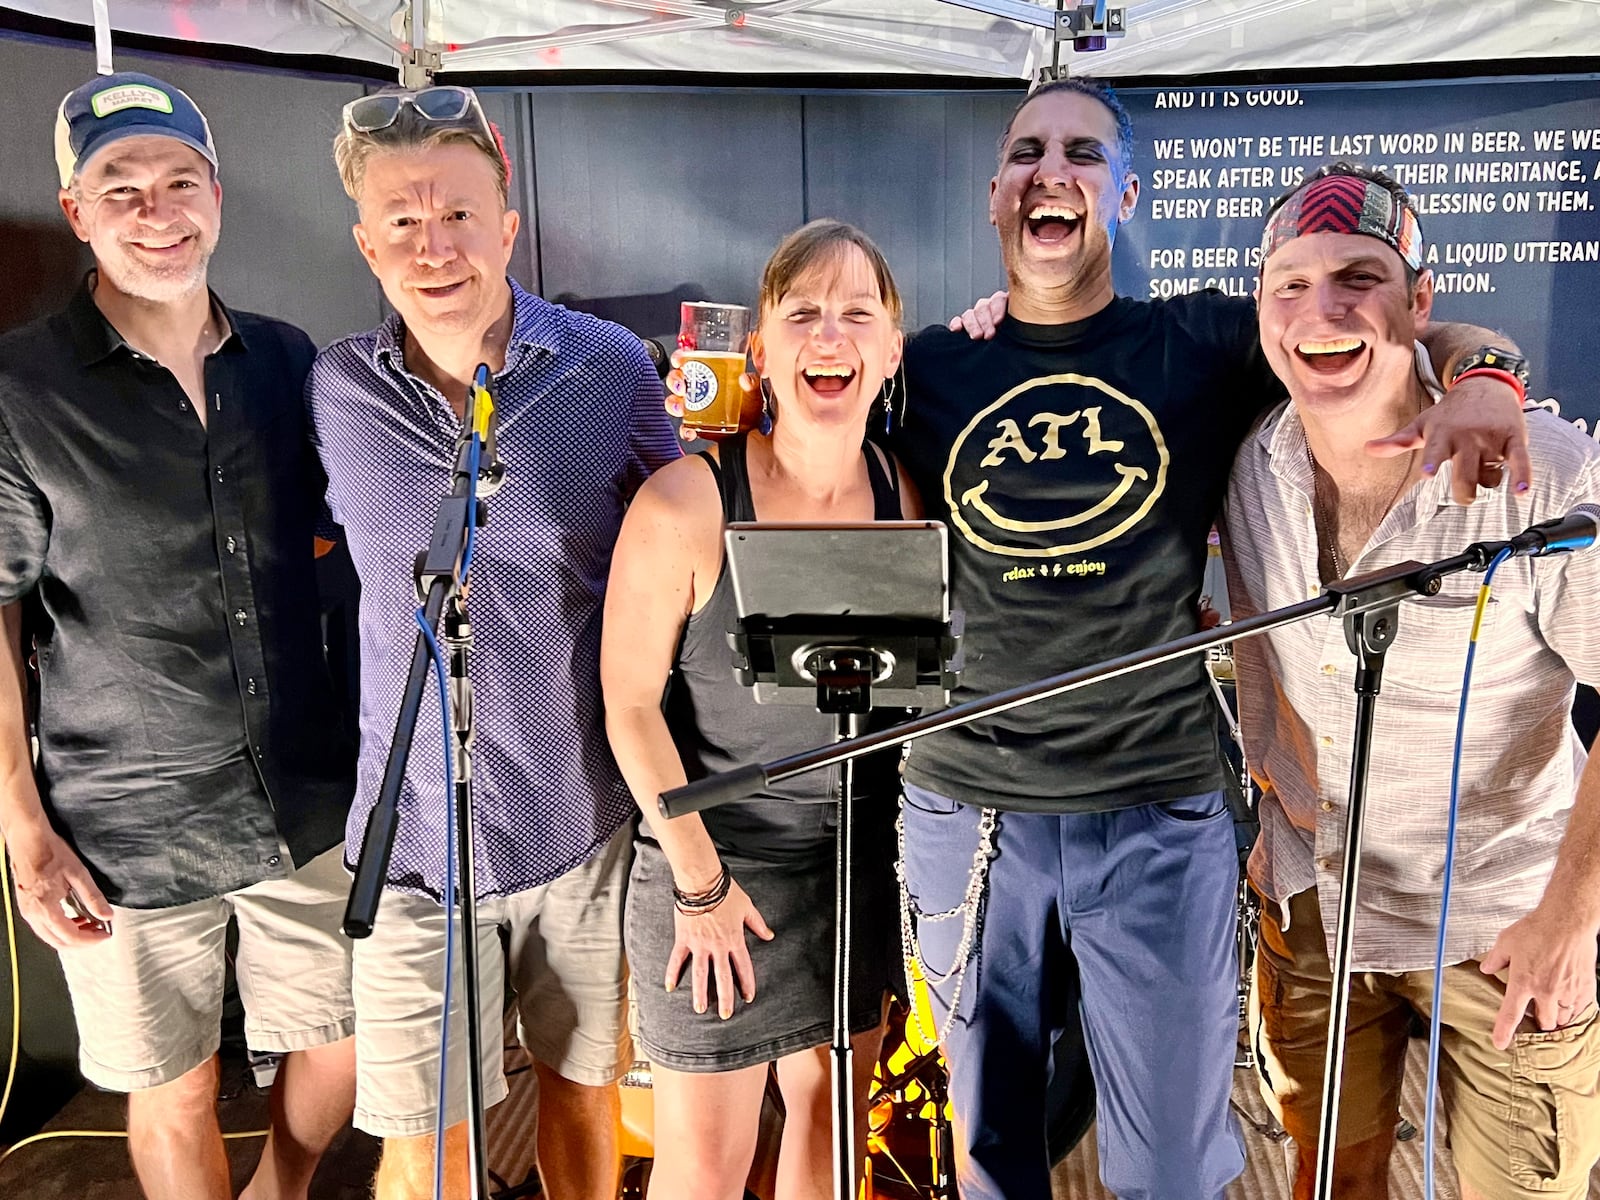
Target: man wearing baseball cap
1342,299
159,497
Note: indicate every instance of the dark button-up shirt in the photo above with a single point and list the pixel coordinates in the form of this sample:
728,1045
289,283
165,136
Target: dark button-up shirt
188,729
581,427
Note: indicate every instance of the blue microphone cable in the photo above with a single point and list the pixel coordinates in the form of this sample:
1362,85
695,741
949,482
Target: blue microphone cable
1449,867
474,461
440,1122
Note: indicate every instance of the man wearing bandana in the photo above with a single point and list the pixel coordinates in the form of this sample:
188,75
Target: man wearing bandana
1342,299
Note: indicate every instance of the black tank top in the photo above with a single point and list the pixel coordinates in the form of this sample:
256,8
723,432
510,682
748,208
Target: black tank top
717,723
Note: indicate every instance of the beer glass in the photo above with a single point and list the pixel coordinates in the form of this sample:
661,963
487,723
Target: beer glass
711,343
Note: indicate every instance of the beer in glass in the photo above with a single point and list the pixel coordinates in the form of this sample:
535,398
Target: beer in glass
711,345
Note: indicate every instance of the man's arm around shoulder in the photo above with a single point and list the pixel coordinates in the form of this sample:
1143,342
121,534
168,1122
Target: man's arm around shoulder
1478,427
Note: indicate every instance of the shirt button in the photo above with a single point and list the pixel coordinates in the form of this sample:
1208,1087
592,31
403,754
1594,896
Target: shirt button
1327,806
1329,669
241,616
273,860
1325,864
183,406
233,546
1324,740
219,474
250,685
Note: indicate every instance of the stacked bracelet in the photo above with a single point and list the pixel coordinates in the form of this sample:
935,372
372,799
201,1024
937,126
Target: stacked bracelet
1505,377
692,904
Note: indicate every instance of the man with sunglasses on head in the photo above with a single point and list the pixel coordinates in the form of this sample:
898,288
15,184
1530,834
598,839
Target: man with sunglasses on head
159,493
581,427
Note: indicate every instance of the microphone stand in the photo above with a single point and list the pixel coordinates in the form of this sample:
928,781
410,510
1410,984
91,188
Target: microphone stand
443,587
848,665
1369,607
845,679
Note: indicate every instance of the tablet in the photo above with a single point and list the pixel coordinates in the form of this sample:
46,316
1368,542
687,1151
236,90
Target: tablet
894,569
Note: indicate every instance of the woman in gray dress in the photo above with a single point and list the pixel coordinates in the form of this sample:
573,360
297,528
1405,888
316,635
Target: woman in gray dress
729,922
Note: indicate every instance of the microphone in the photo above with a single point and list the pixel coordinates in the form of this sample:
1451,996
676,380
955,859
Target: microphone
484,421
659,358
1575,531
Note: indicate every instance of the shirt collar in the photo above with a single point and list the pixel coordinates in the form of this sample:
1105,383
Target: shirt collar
96,339
535,325
1282,438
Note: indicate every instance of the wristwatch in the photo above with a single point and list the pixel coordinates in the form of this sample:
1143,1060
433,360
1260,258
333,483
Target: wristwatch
1493,358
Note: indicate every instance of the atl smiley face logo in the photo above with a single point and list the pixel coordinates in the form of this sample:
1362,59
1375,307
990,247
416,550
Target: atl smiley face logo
1058,465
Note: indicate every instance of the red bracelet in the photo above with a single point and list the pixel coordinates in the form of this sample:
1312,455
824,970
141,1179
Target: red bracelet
1505,377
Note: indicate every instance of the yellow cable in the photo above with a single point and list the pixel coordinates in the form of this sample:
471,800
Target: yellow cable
105,1133
1477,617
482,410
16,1034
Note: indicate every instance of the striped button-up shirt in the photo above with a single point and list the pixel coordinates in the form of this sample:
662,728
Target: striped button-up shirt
581,427
1521,756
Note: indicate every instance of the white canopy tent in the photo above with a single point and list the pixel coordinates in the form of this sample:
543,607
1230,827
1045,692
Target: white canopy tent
1002,39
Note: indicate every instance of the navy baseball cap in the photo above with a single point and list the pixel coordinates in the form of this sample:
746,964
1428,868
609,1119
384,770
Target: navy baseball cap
128,104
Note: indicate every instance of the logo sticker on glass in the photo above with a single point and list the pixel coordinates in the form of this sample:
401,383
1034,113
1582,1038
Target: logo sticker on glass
699,385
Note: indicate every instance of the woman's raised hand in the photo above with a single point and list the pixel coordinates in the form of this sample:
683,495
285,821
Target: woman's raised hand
749,400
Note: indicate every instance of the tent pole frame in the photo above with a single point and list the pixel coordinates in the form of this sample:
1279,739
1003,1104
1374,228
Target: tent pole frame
372,29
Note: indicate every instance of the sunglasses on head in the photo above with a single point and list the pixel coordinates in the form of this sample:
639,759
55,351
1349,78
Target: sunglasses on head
443,103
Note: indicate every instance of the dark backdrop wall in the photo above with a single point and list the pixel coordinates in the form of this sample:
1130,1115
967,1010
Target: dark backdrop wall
636,199
286,246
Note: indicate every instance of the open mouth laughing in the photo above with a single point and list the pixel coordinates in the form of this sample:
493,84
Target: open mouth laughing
1051,223
1331,355
828,379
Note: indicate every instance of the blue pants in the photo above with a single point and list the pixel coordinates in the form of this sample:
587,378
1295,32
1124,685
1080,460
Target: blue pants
1144,899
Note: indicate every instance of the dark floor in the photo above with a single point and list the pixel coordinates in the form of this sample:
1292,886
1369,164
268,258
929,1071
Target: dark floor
75,1168
83,1168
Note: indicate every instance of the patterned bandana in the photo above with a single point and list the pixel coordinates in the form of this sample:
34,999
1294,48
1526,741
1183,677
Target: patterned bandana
1346,204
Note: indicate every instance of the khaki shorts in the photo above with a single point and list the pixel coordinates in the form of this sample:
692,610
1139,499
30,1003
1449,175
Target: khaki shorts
565,963
148,999
1524,1122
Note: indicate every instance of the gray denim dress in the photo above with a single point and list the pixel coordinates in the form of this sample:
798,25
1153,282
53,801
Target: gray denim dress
779,847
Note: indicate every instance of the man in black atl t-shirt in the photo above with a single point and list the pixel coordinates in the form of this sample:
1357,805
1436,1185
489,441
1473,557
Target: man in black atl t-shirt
1080,457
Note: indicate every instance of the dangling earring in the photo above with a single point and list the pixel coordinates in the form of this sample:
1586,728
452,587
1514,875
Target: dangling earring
888,403
767,407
